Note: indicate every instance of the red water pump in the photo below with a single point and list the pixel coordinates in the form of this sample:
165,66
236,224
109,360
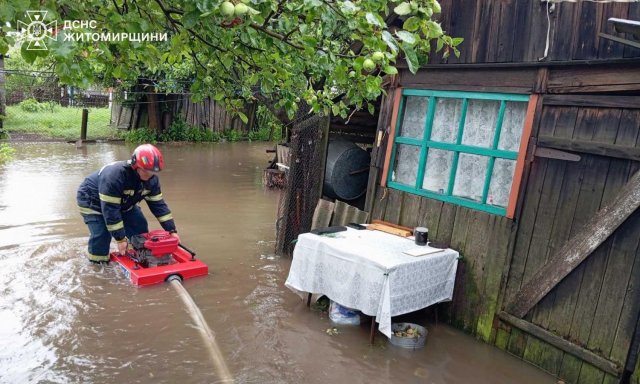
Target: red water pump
158,256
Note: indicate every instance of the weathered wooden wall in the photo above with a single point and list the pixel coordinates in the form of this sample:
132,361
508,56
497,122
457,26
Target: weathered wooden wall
209,114
205,115
597,305
505,31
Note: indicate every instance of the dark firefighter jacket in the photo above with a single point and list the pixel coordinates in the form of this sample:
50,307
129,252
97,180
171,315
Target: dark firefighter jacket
117,188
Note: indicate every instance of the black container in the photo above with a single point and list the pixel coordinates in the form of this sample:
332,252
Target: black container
347,170
421,235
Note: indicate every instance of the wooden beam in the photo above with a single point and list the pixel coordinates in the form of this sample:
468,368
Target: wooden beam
592,101
590,147
599,227
560,343
551,153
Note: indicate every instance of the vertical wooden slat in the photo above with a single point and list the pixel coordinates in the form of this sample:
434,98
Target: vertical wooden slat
462,18
586,30
633,14
379,203
485,31
564,16
394,205
609,48
430,211
536,38
506,39
410,210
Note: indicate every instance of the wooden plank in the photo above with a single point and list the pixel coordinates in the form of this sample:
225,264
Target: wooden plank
380,203
522,27
410,210
526,227
597,230
444,18
628,129
590,147
546,357
595,78
509,80
389,229
461,288
446,223
485,31
586,31
608,49
536,37
615,282
593,101
477,241
633,14
429,217
494,261
565,14
394,205
462,18
506,34
561,343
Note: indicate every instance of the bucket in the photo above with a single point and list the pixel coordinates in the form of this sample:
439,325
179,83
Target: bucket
404,335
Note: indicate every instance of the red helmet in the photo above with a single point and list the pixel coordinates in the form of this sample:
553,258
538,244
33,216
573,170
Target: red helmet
147,156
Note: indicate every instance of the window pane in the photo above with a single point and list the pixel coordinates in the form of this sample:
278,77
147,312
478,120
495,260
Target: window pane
406,167
480,122
512,126
470,175
437,170
501,180
446,120
415,116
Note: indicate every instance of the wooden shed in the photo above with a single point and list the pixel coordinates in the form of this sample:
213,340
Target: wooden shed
523,154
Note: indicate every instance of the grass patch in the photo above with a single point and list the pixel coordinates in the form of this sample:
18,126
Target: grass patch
60,122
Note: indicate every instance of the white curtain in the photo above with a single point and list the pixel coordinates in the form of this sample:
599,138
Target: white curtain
479,131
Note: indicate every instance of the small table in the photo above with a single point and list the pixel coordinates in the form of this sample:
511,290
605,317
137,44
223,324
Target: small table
369,271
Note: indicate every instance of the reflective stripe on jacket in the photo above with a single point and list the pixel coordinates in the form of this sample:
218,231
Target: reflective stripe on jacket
116,188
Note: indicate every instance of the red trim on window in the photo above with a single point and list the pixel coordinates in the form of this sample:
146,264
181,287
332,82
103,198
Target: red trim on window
392,136
522,154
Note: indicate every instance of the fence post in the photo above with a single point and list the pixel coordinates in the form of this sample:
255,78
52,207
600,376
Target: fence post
83,127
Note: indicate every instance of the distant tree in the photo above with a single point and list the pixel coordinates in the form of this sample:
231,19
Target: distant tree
330,54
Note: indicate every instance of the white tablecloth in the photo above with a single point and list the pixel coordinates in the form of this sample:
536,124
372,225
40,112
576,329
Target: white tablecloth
367,270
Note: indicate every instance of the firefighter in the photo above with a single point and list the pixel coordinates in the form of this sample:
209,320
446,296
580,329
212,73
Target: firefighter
108,201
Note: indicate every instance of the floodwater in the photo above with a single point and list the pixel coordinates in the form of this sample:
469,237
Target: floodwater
65,320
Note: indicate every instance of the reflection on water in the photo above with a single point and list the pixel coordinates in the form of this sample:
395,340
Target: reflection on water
66,320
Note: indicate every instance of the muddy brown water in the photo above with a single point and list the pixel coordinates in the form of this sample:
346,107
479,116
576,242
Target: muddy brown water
64,320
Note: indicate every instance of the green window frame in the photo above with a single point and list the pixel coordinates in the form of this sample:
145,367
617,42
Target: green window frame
426,143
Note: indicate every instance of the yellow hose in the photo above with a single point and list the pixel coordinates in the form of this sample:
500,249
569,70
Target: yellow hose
205,331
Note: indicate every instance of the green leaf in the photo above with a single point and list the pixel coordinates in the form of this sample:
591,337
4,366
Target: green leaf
411,58
402,9
243,117
412,24
375,20
456,41
190,19
391,42
390,70
407,37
